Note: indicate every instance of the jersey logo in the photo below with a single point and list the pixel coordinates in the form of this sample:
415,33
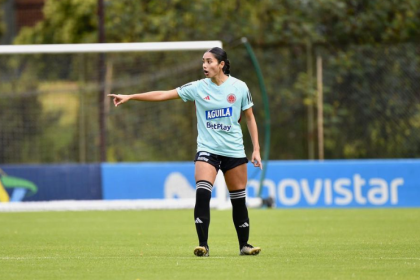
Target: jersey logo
231,98
207,97
219,113
218,126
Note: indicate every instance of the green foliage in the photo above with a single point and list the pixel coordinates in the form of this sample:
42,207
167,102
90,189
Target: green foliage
370,83
263,22
66,21
2,24
374,95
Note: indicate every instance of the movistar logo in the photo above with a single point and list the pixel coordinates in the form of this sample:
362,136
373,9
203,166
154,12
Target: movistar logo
14,189
219,113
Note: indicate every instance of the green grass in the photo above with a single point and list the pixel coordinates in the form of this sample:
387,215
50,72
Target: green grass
296,244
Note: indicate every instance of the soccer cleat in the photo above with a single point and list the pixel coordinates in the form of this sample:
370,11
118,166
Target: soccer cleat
202,251
249,250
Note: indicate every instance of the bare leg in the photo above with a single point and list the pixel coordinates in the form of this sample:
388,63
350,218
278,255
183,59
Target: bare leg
236,178
205,171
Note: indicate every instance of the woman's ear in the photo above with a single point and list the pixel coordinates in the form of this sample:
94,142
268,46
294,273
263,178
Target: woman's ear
221,64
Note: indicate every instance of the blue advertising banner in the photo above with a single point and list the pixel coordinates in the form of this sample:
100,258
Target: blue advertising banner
296,184
148,180
50,182
343,183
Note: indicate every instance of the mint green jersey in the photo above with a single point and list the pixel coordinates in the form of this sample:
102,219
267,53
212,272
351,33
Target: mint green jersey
218,110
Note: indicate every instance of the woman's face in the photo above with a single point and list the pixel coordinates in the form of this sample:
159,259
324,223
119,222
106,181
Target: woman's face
211,66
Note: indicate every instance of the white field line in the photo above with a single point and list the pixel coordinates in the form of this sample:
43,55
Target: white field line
126,204
98,205
150,257
382,258
97,258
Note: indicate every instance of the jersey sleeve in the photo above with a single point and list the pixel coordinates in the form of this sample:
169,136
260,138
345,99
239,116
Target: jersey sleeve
188,91
246,98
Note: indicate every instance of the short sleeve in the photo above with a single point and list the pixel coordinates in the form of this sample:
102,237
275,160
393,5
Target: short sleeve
188,91
246,98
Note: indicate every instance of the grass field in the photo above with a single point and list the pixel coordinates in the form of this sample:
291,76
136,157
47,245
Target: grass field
296,244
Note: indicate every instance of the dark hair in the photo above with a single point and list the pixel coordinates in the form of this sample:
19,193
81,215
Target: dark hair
221,55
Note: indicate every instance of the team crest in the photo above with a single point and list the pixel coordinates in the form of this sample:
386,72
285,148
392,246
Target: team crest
231,98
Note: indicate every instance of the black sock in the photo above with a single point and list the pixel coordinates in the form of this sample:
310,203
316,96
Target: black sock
202,211
240,216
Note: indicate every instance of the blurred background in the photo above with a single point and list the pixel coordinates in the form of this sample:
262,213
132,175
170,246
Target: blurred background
52,107
342,80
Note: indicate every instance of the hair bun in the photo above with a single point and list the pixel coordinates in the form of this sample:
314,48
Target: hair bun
226,68
221,55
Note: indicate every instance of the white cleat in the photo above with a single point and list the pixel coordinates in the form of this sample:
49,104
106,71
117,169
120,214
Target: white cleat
249,250
202,251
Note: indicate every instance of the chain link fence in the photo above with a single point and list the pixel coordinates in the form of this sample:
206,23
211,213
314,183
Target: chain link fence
49,108
373,102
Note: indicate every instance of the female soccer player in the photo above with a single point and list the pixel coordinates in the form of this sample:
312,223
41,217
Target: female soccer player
219,99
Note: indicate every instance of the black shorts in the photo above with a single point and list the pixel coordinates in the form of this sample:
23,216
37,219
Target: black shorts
220,162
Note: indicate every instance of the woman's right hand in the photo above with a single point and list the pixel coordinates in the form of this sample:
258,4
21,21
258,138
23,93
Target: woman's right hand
119,98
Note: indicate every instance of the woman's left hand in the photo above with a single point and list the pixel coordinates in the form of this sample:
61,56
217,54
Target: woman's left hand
256,159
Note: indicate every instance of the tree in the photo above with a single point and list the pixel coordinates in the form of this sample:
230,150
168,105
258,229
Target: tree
347,32
2,25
